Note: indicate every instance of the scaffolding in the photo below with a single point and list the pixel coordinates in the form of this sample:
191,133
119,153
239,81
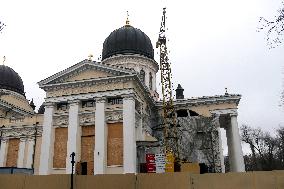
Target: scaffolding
170,139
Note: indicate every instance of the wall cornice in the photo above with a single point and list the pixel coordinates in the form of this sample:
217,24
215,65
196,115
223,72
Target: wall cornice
206,100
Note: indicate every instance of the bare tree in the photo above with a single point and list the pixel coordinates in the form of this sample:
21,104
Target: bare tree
2,25
274,28
267,151
280,145
252,136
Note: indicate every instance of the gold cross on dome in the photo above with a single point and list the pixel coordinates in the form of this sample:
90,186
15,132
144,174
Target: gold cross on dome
90,57
127,23
226,90
4,59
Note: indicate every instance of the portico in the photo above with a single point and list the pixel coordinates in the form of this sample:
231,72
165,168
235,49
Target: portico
74,111
228,121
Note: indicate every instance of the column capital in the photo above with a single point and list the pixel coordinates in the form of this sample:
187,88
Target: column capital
4,140
23,139
31,139
100,99
73,102
49,104
235,114
128,97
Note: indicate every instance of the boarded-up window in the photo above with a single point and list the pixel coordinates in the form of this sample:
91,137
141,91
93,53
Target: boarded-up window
87,148
115,144
12,155
60,148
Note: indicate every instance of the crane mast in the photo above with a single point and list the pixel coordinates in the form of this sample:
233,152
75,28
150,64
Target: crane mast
169,117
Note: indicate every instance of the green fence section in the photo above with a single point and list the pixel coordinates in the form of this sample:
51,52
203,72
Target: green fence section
249,180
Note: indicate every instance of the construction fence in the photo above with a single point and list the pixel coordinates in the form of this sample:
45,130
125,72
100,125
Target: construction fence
182,180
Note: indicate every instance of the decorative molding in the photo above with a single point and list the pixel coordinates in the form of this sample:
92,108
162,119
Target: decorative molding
205,100
60,121
225,112
90,95
89,86
16,109
87,119
114,116
21,132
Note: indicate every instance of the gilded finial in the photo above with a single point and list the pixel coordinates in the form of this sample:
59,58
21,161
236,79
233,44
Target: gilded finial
4,59
90,57
127,23
226,91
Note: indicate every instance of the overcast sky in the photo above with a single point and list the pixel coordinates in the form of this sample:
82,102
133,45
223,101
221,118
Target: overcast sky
213,45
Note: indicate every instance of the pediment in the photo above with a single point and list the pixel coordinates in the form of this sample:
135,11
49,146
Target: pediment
85,70
88,73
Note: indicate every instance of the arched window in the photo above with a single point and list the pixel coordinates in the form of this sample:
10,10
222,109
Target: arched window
150,81
142,75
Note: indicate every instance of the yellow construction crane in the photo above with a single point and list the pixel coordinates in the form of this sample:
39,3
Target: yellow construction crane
169,116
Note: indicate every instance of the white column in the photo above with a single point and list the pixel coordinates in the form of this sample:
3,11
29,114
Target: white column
100,152
229,144
147,78
3,152
46,155
74,135
234,146
129,136
21,153
221,151
30,152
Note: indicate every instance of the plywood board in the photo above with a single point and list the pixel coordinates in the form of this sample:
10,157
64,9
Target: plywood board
264,179
87,147
60,147
222,181
88,130
12,181
126,181
12,154
115,144
163,180
47,182
279,178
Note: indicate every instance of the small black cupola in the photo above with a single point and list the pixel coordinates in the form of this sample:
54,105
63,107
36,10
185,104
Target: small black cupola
179,92
32,104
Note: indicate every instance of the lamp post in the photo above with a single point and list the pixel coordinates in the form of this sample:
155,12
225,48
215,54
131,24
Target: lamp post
72,155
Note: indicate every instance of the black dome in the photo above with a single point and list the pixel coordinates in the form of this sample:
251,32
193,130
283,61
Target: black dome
10,80
127,40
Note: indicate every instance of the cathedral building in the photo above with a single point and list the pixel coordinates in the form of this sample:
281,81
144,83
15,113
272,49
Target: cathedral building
109,114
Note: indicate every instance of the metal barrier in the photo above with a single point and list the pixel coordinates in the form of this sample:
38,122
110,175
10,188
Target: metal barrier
15,170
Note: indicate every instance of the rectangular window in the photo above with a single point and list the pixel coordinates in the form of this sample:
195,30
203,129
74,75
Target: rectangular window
62,106
113,101
88,103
